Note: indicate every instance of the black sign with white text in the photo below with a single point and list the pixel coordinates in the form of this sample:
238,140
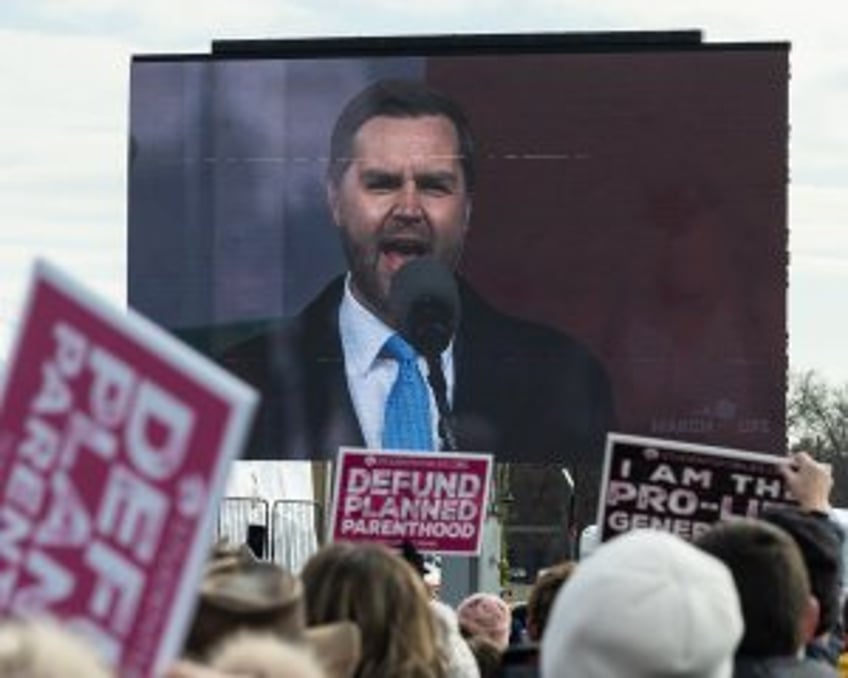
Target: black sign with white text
683,488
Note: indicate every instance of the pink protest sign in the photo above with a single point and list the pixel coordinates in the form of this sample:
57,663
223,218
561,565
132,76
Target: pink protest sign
436,501
115,442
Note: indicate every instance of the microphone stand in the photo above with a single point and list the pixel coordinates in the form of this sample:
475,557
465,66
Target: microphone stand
436,379
459,575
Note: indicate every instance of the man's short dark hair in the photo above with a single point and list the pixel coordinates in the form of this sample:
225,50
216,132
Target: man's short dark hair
771,580
821,549
397,99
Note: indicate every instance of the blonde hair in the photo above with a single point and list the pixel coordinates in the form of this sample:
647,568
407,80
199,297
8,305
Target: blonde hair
42,649
375,588
264,655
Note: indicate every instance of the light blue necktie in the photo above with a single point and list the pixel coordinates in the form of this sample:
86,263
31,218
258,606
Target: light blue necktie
407,423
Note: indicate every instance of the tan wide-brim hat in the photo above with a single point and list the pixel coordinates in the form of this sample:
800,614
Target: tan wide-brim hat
241,593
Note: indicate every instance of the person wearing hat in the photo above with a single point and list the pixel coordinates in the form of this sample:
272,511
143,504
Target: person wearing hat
486,615
646,604
240,593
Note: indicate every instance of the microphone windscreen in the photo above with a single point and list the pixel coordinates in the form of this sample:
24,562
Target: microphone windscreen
425,302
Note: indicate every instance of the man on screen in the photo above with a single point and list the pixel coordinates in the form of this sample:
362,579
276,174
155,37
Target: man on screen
399,185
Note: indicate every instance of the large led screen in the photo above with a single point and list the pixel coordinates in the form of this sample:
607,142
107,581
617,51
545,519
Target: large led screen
629,198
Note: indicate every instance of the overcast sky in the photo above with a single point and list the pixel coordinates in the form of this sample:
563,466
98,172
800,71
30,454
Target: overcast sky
64,84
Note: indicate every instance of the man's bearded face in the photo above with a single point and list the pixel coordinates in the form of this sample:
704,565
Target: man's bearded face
402,196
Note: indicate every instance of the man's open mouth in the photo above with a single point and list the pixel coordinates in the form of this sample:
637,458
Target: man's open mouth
395,252
404,247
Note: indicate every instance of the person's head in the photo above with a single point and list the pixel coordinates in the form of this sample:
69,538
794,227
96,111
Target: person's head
243,596
413,556
645,604
377,590
258,654
772,584
399,183
487,655
486,615
542,597
820,550
460,660
43,649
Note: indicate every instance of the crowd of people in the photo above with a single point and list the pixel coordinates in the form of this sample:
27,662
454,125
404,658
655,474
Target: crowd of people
752,597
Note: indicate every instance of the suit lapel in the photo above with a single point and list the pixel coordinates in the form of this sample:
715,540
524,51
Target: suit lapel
332,421
470,370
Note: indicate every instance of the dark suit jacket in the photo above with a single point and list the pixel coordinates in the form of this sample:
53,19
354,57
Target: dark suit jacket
523,391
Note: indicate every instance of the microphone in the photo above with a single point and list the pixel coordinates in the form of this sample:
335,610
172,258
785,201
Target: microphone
424,301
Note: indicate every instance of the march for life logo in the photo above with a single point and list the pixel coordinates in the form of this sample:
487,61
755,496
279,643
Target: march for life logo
115,443
437,501
683,488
